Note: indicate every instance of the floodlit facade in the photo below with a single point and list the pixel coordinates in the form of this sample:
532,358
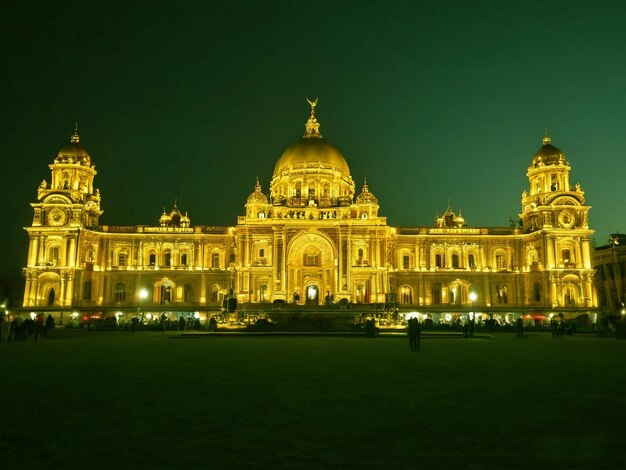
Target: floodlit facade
312,239
610,267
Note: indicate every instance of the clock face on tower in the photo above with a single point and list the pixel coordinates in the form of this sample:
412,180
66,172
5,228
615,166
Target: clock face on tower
56,217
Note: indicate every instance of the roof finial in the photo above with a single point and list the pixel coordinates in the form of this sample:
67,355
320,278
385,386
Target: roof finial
175,203
546,137
366,189
312,126
257,186
75,138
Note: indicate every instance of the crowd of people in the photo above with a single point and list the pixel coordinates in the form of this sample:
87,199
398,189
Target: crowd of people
16,328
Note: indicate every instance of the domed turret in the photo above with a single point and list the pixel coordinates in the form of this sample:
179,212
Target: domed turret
548,154
257,196
73,152
366,197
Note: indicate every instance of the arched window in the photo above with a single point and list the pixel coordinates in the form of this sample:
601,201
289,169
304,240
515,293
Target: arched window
261,253
87,290
187,293
438,260
360,253
166,294
406,261
168,258
120,292
215,260
54,253
214,293
471,261
121,259
152,259
183,259
455,261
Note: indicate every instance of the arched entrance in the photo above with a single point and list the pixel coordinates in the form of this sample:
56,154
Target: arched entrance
311,266
312,295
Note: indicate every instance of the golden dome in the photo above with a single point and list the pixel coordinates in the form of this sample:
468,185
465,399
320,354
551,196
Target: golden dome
548,154
312,151
309,152
73,152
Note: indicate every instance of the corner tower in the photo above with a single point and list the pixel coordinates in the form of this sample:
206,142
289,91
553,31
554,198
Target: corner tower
64,207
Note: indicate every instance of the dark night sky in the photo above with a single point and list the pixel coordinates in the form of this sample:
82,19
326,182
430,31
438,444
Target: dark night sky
428,100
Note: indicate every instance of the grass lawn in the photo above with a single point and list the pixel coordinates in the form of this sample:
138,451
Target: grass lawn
116,399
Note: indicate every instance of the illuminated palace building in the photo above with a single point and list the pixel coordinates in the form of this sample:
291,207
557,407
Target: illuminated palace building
314,235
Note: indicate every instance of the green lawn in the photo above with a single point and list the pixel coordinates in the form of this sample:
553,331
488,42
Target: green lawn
116,399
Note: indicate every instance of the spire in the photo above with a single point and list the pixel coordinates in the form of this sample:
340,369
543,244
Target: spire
75,138
257,186
546,137
312,126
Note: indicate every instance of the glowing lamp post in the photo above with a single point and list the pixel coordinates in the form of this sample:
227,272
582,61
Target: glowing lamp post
472,298
143,294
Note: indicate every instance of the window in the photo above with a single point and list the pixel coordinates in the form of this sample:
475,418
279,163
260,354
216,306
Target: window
360,253
471,261
166,294
311,259
263,293
406,261
261,253
120,292
187,293
502,294
566,256
54,253
213,296
455,261
152,259
87,290
500,261
437,293
168,258
438,261
215,260
121,259
537,291
183,259
406,295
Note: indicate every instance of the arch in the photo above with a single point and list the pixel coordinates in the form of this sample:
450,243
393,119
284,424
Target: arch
215,293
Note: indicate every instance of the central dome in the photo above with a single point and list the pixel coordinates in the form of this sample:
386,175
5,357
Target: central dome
313,152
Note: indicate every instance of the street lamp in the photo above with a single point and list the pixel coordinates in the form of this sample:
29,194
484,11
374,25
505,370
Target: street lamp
143,294
472,297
